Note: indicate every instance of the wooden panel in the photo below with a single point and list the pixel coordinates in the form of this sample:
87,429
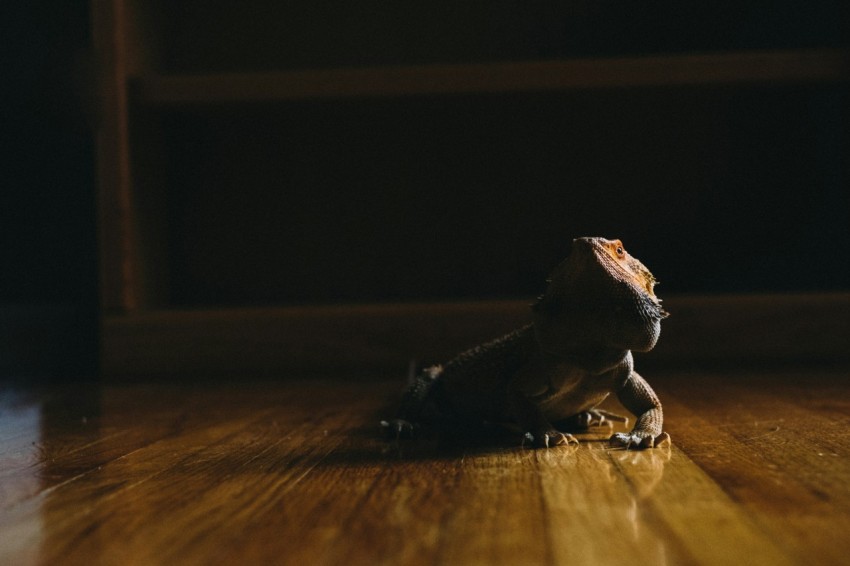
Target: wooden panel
477,197
365,338
710,69
756,330
117,245
723,330
293,34
296,473
125,44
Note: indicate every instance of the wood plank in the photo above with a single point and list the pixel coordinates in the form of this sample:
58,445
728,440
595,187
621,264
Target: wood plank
295,472
379,339
747,67
587,500
78,439
697,514
785,463
72,515
20,427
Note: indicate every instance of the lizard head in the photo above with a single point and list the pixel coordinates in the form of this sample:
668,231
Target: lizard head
618,263
600,295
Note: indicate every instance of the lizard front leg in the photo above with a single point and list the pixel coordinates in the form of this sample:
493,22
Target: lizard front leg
638,397
534,425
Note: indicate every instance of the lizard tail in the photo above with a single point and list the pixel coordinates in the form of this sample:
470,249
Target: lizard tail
417,404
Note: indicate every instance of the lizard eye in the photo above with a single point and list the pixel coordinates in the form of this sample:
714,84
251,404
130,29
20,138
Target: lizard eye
620,251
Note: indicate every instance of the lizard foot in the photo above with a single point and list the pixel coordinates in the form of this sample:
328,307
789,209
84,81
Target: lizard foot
398,428
591,418
549,439
638,440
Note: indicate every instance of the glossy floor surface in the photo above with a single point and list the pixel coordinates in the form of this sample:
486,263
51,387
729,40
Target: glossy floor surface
294,473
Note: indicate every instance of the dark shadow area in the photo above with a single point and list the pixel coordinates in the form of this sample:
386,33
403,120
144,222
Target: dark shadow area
478,196
48,242
370,33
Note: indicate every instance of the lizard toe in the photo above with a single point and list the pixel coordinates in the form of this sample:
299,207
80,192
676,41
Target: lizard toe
550,439
637,440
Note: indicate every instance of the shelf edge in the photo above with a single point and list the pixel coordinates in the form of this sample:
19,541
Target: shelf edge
729,68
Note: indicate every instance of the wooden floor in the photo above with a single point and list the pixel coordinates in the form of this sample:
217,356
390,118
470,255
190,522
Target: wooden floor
294,473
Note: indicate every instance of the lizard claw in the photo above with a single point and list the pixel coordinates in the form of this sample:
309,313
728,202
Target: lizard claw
638,440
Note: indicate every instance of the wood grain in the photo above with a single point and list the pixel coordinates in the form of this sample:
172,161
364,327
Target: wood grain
749,67
295,472
755,441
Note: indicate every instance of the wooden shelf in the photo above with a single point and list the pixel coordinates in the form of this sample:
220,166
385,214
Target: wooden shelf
225,148
750,67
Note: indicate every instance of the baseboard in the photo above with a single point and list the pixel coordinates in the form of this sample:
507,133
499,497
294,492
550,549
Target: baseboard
376,339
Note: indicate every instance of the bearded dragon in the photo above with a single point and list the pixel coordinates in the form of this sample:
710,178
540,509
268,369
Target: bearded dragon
550,376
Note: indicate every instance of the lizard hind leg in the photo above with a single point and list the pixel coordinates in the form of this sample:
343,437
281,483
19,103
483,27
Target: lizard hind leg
591,418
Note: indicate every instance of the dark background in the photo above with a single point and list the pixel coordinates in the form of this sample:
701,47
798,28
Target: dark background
48,266
717,191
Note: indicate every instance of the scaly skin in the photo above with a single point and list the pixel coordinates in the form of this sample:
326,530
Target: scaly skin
599,306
